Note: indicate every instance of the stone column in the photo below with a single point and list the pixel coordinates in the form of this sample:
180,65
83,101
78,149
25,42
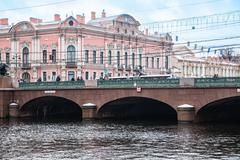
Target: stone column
185,113
89,111
13,110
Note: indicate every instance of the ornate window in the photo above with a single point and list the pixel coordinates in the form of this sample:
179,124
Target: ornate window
109,57
70,75
26,77
25,59
44,76
146,62
166,62
140,59
101,57
157,63
86,56
86,75
133,60
45,56
70,23
126,59
94,57
152,62
54,56
118,58
7,58
71,53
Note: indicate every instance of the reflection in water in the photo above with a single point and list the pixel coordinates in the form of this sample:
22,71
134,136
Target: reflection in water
117,140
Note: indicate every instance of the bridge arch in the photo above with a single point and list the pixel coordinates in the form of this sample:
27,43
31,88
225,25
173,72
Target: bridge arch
51,106
222,110
137,107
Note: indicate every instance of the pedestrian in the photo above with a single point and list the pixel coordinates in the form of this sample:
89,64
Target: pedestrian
39,79
58,78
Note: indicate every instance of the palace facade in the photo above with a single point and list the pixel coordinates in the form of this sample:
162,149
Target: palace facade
70,48
186,64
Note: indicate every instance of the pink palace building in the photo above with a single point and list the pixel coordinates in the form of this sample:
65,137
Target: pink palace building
70,48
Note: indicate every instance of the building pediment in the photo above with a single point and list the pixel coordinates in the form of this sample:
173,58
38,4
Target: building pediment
23,26
70,22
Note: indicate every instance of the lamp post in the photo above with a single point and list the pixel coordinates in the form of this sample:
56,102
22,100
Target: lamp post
16,57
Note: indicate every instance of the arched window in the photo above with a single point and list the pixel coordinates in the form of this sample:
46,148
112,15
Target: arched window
101,57
118,58
26,77
25,59
54,56
133,60
126,59
71,53
94,57
109,57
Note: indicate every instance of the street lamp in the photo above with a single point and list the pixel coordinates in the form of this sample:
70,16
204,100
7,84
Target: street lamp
16,57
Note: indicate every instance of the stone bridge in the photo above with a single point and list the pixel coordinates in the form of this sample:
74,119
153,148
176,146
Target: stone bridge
200,98
180,103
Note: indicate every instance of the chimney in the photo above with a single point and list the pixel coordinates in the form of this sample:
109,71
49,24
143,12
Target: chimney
4,21
57,17
93,15
103,14
81,19
35,20
146,31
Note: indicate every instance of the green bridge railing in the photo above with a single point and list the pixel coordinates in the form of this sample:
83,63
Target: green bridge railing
217,82
133,83
53,85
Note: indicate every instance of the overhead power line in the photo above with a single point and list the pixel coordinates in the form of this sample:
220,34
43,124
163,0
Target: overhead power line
174,6
36,6
193,23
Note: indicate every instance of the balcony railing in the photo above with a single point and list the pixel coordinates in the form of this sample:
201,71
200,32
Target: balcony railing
26,66
52,85
132,83
71,64
217,82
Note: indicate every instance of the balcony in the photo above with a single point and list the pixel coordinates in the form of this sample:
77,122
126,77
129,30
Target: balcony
26,66
71,64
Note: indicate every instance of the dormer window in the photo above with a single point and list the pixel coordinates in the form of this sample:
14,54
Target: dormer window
125,31
70,23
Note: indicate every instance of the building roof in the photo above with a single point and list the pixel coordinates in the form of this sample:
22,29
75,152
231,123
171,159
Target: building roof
125,18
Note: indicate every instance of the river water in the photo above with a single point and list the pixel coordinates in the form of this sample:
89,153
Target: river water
117,140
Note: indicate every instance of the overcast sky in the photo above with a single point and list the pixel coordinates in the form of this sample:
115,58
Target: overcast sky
143,10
